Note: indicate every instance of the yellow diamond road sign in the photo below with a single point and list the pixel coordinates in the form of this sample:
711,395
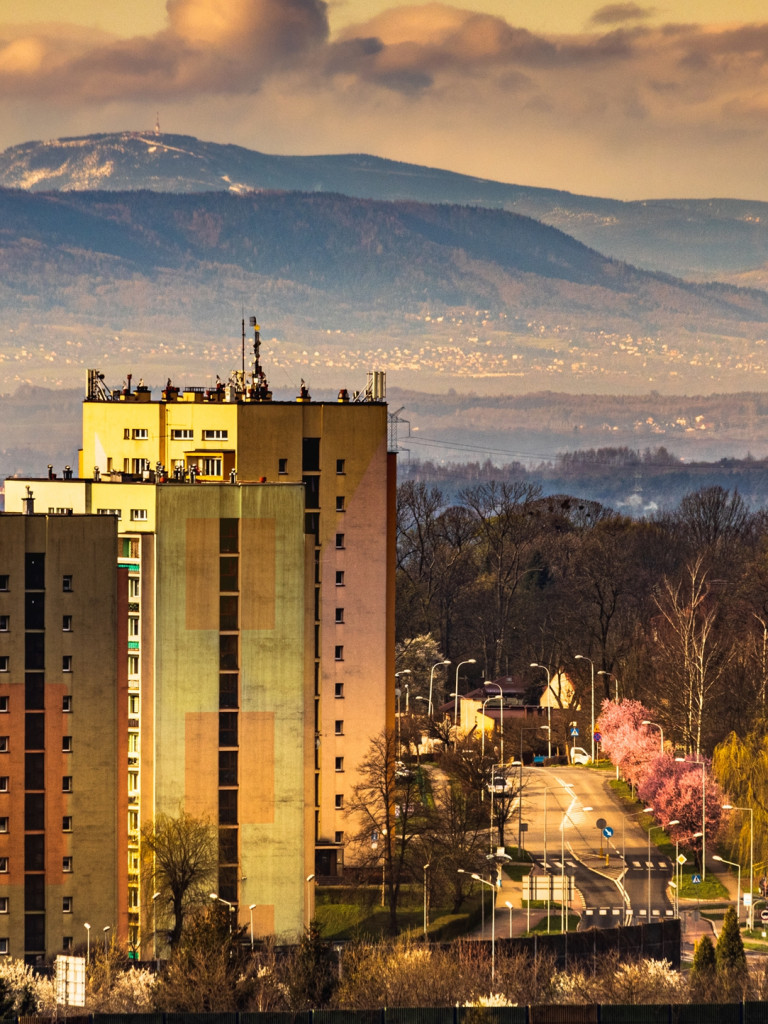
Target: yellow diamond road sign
682,859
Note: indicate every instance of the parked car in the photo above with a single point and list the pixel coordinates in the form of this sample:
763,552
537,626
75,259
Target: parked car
579,756
540,759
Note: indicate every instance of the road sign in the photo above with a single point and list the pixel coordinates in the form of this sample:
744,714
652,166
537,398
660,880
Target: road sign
764,915
682,859
607,831
598,737
601,823
747,899
696,879
574,731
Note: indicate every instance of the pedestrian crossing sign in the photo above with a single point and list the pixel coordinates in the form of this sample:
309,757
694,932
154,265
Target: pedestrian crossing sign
696,879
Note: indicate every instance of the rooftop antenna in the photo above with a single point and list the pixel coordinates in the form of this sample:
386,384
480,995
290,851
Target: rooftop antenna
157,123
242,348
256,346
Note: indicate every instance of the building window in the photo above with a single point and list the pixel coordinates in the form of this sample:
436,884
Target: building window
133,664
3,947
338,652
340,466
282,466
4,623
4,744
133,625
133,705
212,466
66,864
339,690
182,435
339,800
126,433
66,823
4,582
4,865
339,614
66,663
140,466
4,662
110,512
3,705
3,904
66,744
66,583
66,784
66,904
339,727
133,586
140,434
66,623
339,837
340,578
66,702
139,515
340,503
339,540
3,824
215,435
339,764
59,511
4,783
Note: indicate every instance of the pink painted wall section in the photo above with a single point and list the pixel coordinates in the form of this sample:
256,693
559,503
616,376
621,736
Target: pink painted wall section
258,573
257,787
201,760
202,569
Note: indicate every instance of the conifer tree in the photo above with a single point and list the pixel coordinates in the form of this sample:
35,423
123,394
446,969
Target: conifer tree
730,959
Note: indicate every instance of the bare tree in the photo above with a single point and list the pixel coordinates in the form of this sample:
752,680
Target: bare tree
181,859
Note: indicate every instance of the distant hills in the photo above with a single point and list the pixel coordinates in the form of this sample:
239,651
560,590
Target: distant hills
698,239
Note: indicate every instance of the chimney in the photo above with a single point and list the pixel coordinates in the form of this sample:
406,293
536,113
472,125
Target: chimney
28,503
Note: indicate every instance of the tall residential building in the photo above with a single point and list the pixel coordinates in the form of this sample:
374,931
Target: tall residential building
258,540
63,732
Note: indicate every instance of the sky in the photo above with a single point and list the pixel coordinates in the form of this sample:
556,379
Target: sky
628,99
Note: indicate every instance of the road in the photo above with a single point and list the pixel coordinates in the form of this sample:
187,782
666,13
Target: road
612,875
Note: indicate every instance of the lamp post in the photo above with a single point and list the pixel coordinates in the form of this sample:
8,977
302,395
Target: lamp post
751,912
219,899
499,697
106,929
492,887
535,664
469,661
310,879
610,675
733,864
403,672
653,829
703,767
87,943
656,725
426,912
431,680
645,810
428,701
563,905
508,905
250,911
155,898
583,657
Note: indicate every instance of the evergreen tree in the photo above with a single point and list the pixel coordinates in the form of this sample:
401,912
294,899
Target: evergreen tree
703,977
730,959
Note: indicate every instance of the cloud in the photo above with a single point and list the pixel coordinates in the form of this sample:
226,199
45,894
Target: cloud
616,14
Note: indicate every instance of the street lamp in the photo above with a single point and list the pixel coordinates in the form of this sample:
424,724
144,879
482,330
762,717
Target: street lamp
469,661
310,879
733,864
563,911
508,905
428,701
426,917
645,810
403,672
500,698
653,829
583,657
703,767
87,942
431,680
492,887
751,912
219,899
610,675
105,929
250,911
656,725
535,664
155,898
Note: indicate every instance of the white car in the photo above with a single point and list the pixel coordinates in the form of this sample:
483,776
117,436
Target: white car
579,756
